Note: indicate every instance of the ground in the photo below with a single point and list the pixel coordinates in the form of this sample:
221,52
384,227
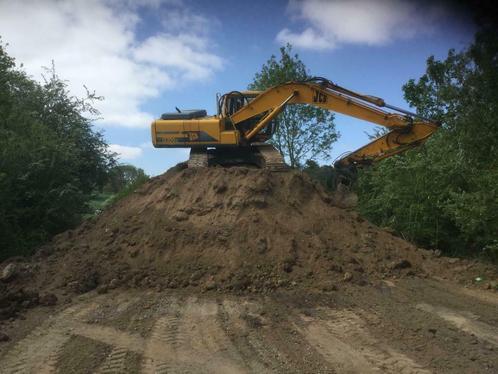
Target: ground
216,270
400,326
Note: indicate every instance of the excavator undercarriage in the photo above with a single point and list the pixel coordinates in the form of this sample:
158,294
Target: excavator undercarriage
261,155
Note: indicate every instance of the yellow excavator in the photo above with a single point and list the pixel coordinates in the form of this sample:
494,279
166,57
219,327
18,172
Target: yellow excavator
247,119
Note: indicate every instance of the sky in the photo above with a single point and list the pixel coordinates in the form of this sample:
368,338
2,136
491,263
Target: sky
145,57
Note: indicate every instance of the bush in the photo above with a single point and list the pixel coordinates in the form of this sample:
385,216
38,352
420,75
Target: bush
51,159
446,194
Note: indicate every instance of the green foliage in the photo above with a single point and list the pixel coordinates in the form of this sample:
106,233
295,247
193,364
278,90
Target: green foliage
123,179
326,175
304,132
122,176
97,203
446,195
129,189
50,158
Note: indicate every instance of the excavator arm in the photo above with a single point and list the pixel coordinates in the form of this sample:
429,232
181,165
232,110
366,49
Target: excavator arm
406,130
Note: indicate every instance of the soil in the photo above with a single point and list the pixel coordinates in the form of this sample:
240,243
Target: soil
243,270
408,325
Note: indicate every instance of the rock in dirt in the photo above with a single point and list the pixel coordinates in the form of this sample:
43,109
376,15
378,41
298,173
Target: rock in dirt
48,299
103,289
73,286
29,297
401,264
4,337
12,302
347,276
180,216
89,282
492,286
114,283
9,272
328,287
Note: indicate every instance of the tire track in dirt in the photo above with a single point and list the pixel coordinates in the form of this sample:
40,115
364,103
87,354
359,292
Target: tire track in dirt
227,335
164,336
344,341
188,338
115,362
481,295
206,341
39,351
267,346
237,331
110,336
465,321
192,340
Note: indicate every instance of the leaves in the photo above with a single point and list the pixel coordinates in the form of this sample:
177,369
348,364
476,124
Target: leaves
446,195
51,159
304,132
124,175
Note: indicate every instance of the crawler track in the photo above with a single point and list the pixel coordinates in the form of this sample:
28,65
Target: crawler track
261,155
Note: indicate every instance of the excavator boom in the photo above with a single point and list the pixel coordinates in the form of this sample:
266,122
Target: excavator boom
405,132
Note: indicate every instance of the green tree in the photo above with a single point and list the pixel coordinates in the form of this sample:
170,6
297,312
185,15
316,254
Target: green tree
325,174
447,195
122,180
122,176
51,160
304,132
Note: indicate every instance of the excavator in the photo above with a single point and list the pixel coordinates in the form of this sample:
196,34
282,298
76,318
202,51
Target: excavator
246,120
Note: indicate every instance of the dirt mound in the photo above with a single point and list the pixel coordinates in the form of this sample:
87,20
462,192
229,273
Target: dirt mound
235,229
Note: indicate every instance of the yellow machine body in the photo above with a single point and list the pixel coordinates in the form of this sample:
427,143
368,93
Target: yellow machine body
197,132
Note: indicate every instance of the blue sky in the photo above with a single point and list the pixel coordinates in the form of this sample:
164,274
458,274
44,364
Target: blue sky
148,56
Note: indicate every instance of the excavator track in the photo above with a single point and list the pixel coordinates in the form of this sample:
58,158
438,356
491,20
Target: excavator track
262,155
271,158
199,158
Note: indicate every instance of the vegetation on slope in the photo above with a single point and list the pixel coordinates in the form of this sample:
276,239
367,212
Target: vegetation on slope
52,162
446,195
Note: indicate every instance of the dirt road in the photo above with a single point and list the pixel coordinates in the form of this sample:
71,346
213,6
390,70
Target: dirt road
410,326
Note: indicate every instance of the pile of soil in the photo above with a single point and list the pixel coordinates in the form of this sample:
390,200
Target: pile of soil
226,229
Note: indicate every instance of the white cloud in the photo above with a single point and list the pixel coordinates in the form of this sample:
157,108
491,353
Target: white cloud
180,19
186,53
370,22
124,152
147,145
95,43
308,37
